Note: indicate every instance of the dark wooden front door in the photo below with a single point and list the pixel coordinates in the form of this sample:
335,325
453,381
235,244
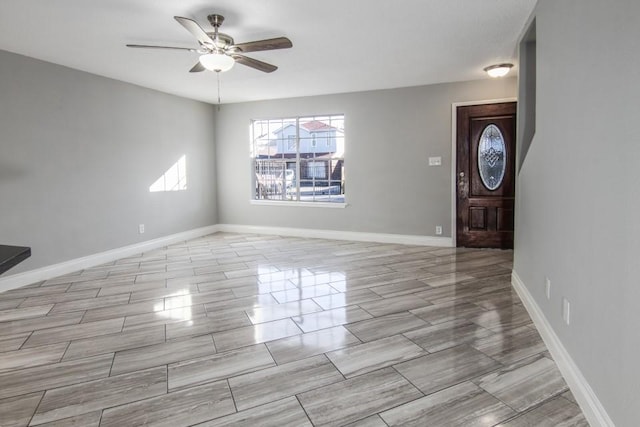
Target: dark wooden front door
486,175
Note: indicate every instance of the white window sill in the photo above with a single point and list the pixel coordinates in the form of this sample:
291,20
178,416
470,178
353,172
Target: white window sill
298,204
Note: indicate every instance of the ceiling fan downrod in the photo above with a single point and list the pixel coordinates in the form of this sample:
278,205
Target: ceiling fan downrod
215,21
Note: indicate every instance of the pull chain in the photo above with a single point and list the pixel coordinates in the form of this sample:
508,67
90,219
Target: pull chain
218,78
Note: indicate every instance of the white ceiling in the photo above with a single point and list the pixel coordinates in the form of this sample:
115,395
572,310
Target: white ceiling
338,45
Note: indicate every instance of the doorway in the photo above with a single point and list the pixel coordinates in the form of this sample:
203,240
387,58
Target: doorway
484,177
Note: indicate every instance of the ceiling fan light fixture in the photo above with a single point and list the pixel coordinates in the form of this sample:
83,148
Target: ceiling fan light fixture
498,70
217,62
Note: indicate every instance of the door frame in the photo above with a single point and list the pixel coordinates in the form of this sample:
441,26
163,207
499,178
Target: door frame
454,153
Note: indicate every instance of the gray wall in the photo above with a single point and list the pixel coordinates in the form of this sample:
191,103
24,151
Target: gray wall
578,192
389,136
526,93
78,153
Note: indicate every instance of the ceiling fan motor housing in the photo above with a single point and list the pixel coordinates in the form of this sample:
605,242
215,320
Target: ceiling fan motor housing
215,20
223,40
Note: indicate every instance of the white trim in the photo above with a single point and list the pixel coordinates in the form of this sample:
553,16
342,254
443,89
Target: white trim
298,204
589,403
66,267
454,152
403,239
70,266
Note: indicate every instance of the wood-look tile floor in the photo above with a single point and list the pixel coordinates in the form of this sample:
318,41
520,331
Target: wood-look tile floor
236,329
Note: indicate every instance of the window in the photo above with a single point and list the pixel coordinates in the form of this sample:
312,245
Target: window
290,165
317,170
291,143
491,157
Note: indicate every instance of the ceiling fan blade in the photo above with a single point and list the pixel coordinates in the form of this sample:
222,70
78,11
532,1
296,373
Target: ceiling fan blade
254,63
195,29
145,46
197,68
268,44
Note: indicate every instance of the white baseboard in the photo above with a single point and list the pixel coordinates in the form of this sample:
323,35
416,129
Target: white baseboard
589,403
66,267
403,239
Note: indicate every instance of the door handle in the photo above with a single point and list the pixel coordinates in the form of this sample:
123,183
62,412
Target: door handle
462,186
461,179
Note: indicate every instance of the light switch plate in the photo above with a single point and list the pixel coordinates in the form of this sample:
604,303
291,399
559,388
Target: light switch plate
435,161
566,311
547,287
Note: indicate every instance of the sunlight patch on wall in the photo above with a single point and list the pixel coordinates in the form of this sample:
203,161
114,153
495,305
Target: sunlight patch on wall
174,179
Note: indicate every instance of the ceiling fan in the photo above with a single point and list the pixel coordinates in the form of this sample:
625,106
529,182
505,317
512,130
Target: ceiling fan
218,51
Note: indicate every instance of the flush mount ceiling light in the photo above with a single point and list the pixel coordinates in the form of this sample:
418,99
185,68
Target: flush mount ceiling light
498,70
218,62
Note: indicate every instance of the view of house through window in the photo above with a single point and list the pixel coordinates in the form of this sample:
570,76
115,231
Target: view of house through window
299,159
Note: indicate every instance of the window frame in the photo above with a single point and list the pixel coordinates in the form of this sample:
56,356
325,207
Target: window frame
299,161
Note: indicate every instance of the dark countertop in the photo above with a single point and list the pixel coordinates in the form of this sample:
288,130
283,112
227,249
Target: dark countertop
12,255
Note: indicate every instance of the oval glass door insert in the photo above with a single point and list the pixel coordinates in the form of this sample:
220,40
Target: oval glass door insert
492,157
